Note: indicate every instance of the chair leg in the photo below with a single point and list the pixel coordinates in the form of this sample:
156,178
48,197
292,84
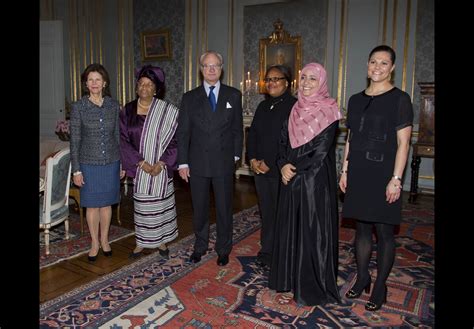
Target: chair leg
66,228
118,214
81,216
75,194
46,240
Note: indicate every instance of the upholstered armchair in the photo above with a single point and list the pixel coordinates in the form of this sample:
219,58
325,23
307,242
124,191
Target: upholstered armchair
54,203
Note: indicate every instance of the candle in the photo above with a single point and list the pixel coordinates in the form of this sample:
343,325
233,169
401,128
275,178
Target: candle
248,75
256,86
299,75
241,86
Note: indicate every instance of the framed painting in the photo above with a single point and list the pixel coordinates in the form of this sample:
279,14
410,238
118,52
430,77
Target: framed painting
156,45
279,49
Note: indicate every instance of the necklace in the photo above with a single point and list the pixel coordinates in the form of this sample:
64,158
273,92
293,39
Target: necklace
143,106
275,103
373,92
97,102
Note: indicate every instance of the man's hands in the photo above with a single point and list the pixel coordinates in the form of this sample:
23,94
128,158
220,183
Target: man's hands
184,174
259,166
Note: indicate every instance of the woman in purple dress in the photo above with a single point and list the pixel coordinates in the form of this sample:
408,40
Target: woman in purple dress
148,152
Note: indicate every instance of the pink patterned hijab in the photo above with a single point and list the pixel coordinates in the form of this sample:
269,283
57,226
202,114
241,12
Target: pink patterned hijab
312,114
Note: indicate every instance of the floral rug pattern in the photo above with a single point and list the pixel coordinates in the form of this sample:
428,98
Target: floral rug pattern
61,249
174,293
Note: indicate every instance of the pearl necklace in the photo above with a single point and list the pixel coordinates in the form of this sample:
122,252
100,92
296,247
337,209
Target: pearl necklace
143,106
97,102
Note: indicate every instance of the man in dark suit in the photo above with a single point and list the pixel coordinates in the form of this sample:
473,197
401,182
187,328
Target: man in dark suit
209,142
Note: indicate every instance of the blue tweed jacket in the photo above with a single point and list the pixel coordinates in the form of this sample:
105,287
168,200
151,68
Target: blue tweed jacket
95,132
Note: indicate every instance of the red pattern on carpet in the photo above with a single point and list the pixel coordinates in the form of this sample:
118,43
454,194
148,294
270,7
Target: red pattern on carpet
62,249
175,293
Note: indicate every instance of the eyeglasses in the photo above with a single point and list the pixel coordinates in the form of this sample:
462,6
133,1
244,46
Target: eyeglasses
273,79
211,66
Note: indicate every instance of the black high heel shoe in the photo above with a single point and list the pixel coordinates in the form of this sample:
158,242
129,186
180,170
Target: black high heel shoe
371,306
137,254
93,258
351,293
107,253
164,252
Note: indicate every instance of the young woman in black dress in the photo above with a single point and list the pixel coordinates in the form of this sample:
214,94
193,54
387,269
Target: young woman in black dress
379,126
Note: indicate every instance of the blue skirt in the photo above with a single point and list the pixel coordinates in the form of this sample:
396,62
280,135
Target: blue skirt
102,185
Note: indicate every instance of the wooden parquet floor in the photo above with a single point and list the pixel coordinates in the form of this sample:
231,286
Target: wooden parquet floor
60,278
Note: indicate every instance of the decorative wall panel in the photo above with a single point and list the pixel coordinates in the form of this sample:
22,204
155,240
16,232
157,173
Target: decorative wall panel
155,15
306,18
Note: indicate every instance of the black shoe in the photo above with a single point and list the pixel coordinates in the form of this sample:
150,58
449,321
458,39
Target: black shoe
222,260
263,259
352,293
134,255
107,253
263,262
195,257
372,306
164,253
93,258
263,266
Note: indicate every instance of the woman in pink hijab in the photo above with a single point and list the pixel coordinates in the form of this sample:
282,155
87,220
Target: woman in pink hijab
305,249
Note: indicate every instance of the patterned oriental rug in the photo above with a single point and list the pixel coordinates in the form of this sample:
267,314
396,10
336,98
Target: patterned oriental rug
155,292
61,249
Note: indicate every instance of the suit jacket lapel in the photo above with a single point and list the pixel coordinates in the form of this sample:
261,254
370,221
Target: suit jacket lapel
204,105
221,100
221,110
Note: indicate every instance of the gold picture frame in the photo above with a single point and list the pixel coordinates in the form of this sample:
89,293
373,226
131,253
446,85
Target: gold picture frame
156,45
279,48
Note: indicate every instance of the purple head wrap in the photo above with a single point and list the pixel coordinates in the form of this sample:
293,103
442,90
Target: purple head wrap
154,73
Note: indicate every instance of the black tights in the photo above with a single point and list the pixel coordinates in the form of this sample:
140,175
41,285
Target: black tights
385,256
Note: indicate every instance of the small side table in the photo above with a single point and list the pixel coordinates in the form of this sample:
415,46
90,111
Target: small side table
419,150
76,195
425,145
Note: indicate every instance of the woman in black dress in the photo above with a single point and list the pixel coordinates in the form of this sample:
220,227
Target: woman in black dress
305,248
262,148
379,126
